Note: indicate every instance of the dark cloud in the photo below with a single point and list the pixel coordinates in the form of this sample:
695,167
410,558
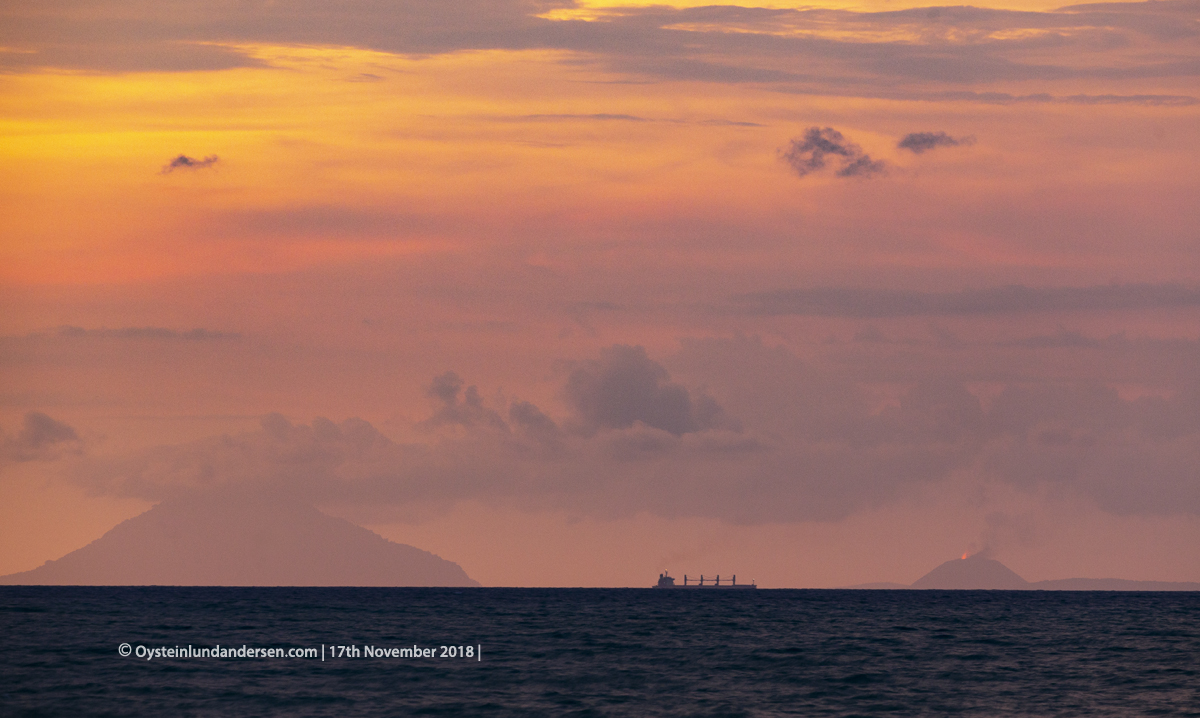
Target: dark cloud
41,438
866,303
529,420
919,142
183,162
467,412
863,166
959,46
808,154
626,387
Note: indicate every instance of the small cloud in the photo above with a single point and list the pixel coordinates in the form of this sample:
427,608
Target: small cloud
40,439
863,166
808,154
919,142
364,77
183,162
468,412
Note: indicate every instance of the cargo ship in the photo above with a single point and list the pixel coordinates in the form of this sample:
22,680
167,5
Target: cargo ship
667,581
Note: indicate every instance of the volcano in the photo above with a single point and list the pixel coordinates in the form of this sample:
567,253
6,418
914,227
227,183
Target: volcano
973,572
243,540
979,573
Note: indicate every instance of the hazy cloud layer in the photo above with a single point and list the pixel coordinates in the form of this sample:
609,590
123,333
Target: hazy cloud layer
808,444
162,333
907,53
853,302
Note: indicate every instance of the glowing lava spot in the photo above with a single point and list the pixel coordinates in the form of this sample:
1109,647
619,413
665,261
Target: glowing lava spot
964,557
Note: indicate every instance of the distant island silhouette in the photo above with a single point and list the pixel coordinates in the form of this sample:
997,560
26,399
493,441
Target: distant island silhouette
239,539
980,573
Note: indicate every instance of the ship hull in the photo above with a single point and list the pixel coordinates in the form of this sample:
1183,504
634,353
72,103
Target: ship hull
689,586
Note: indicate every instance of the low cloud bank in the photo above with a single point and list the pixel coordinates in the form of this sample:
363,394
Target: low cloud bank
770,440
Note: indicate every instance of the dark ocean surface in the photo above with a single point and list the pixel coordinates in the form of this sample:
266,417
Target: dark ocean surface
600,652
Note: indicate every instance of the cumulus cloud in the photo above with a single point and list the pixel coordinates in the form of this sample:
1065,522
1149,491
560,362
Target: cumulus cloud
809,154
41,438
625,387
183,162
919,142
468,411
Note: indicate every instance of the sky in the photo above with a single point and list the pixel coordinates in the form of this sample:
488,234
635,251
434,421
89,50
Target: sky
575,292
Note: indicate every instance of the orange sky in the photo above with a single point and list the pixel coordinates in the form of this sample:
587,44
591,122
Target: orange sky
510,189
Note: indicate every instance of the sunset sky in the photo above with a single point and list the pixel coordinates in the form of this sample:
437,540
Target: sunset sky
571,293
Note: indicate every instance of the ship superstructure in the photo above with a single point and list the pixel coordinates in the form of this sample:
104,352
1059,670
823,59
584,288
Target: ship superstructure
665,580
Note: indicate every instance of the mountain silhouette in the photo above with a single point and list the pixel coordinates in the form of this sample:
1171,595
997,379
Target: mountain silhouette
235,539
979,573
974,572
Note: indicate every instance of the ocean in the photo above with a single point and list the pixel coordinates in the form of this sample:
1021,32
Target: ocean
595,652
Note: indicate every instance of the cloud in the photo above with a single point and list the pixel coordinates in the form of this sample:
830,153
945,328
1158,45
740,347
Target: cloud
467,412
943,49
635,441
772,438
919,142
626,387
863,166
183,162
595,116
808,154
530,421
1084,437
869,303
160,333
41,439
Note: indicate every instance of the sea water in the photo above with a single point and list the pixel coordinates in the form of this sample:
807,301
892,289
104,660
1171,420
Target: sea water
595,652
